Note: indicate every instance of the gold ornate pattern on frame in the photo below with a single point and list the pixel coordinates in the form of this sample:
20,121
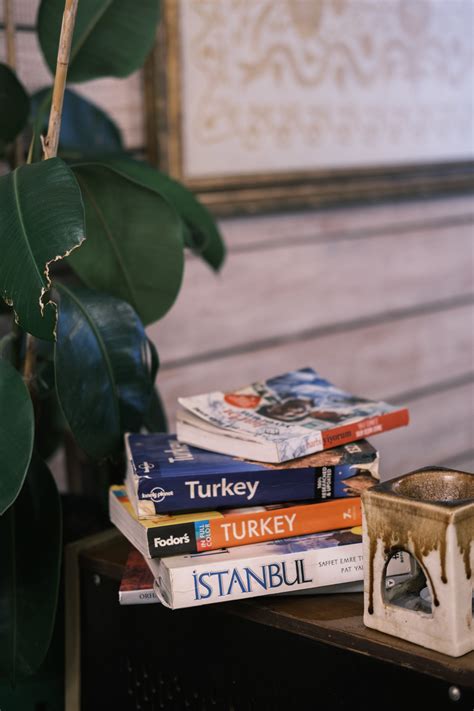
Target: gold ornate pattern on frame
261,102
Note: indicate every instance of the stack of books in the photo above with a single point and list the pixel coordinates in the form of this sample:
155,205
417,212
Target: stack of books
257,493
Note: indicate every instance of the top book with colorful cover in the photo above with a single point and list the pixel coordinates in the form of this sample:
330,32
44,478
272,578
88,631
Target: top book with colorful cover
284,417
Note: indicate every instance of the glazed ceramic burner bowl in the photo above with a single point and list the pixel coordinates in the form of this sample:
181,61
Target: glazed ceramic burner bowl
429,514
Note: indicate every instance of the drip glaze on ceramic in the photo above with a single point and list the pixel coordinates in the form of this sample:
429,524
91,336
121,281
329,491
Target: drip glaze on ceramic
395,522
394,529
465,536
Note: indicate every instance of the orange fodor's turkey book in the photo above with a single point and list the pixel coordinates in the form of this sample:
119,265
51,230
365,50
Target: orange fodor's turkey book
167,535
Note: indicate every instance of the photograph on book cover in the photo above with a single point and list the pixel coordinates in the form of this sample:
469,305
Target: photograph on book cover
284,103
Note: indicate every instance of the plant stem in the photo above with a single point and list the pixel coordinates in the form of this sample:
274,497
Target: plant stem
10,33
30,357
29,364
50,143
11,61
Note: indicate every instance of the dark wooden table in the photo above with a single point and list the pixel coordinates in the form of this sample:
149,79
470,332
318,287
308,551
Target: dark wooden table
266,653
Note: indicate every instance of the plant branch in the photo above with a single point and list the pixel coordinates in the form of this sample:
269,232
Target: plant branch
11,61
30,357
50,143
29,364
10,32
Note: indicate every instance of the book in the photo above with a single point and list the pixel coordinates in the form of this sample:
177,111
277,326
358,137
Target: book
167,535
279,566
136,587
166,476
282,418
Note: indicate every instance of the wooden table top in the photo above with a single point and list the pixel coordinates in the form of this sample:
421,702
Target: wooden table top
332,619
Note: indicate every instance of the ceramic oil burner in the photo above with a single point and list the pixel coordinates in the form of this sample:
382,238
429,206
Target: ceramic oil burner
430,514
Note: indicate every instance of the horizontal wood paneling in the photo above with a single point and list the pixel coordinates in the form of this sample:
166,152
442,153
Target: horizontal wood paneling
463,461
24,12
30,65
378,299
441,426
121,98
266,295
272,230
378,361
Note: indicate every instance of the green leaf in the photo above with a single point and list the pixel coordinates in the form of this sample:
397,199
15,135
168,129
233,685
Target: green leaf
30,551
104,369
154,360
44,379
204,237
85,128
16,433
155,419
7,346
134,247
14,105
51,425
111,37
39,123
42,221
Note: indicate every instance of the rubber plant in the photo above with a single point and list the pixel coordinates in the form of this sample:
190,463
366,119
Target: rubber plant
79,349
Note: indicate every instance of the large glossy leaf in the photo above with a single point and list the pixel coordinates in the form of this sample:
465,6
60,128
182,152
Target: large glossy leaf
104,369
205,238
111,37
44,371
85,129
51,425
30,551
16,433
14,105
42,220
7,346
155,419
134,248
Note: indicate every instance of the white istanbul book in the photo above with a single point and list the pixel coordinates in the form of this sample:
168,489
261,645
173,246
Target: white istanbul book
280,566
136,587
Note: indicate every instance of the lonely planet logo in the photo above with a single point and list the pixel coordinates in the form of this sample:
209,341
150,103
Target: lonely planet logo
158,494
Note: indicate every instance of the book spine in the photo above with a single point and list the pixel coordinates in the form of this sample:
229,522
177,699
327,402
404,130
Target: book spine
204,492
239,529
201,584
256,526
364,428
137,597
336,569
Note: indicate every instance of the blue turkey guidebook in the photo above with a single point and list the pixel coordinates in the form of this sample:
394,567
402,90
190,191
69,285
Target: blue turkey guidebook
167,476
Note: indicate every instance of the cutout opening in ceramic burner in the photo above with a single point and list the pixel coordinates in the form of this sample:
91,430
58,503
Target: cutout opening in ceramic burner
410,591
436,486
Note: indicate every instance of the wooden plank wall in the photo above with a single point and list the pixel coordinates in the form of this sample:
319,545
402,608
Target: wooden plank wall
379,299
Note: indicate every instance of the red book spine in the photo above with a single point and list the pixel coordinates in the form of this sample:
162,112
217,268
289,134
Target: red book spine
364,428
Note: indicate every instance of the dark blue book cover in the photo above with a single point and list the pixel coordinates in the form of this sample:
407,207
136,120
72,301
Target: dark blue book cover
166,476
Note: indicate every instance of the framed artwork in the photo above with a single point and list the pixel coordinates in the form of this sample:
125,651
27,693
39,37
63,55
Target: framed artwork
261,104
